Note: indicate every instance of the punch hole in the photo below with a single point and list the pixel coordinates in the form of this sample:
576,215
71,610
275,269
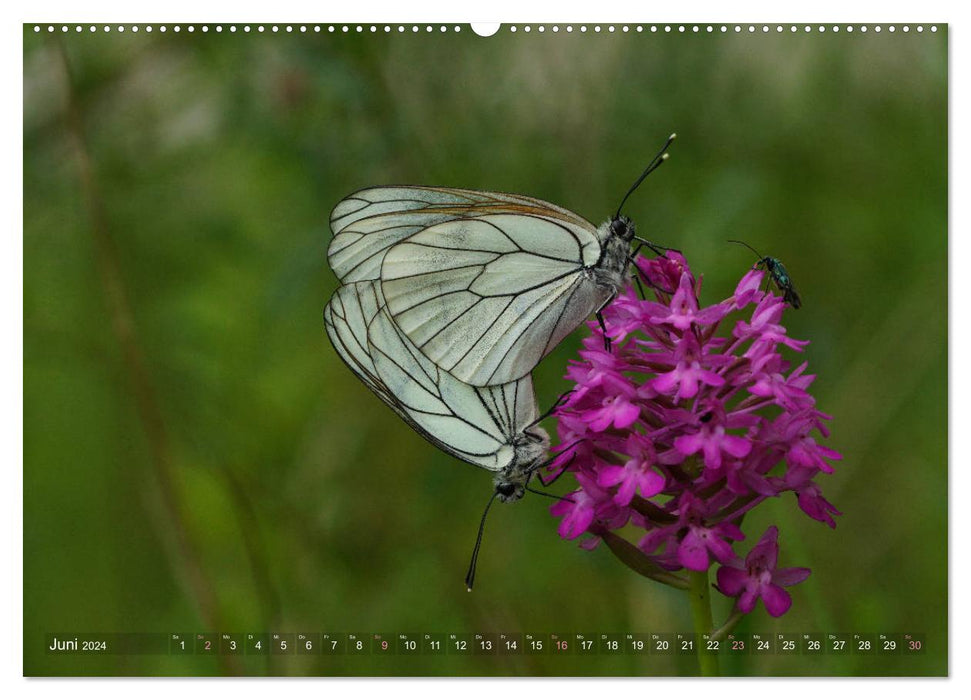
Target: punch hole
485,28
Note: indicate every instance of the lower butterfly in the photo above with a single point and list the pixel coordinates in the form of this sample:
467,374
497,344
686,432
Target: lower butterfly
491,427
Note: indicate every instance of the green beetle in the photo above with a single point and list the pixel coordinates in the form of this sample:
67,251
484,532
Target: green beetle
777,271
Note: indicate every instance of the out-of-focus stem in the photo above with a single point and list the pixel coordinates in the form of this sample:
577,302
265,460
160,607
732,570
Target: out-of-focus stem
150,415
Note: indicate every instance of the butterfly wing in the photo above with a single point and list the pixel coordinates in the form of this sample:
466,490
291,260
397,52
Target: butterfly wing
487,297
346,318
476,425
368,222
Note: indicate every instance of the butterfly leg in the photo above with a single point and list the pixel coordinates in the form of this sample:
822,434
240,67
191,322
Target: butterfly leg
603,328
537,467
553,479
556,404
655,247
600,320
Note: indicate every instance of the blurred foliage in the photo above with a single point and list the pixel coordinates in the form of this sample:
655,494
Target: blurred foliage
295,501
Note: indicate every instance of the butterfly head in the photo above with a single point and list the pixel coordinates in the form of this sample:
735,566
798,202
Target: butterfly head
623,228
509,491
530,449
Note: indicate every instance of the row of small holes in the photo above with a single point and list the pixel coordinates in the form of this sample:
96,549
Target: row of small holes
725,28
569,28
233,28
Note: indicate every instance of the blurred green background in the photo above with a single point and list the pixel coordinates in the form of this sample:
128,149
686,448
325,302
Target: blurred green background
197,458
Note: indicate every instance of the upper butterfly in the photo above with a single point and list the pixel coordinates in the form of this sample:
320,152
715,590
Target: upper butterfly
485,284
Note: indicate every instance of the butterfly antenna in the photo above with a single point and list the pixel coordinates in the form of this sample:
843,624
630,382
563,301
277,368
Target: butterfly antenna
470,576
655,163
747,246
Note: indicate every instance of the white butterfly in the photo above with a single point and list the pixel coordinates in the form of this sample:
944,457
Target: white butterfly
491,427
484,284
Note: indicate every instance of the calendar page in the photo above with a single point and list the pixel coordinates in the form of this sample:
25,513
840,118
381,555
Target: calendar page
522,350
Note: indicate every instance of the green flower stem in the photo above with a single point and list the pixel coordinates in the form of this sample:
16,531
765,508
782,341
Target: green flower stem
701,616
728,626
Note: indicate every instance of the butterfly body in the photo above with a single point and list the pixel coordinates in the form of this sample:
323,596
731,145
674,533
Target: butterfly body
612,269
